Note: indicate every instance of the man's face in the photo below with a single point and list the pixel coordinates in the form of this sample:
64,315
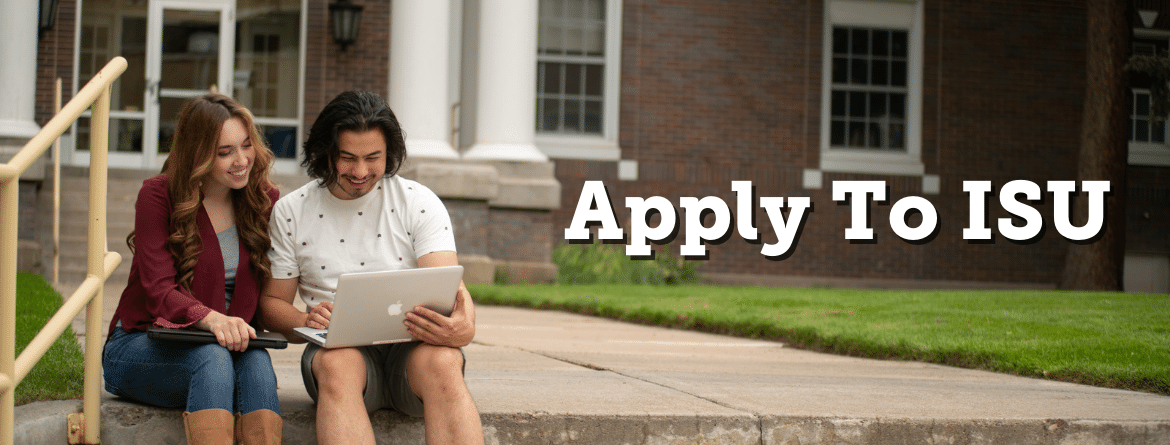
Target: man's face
361,164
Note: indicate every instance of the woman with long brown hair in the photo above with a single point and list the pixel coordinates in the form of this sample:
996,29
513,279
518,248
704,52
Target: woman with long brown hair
200,246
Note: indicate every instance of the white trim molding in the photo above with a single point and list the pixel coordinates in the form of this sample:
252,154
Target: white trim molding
589,148
1146,153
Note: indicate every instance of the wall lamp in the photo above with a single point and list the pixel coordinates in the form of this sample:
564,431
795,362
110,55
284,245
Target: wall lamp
345,17
1148,11
48,12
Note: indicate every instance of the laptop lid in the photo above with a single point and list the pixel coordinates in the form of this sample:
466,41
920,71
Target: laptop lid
369,307
263,339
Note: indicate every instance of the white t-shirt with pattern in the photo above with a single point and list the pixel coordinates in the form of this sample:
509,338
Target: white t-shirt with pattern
317,237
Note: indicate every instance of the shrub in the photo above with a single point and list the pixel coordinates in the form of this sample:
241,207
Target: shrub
608,264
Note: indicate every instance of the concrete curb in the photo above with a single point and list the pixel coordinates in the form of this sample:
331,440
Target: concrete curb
43,423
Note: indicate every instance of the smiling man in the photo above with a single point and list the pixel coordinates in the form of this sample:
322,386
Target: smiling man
359,216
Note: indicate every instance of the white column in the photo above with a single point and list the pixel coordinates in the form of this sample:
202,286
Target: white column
18,70
505,108
419,46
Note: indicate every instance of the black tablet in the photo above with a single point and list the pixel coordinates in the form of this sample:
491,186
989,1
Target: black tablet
271,340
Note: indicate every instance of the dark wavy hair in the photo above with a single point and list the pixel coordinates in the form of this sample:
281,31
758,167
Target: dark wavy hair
357,111
192,152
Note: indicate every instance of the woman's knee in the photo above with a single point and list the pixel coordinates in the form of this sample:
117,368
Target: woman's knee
211,361
255,364
254,359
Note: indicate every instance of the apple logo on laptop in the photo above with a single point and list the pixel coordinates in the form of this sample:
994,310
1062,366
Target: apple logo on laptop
395,309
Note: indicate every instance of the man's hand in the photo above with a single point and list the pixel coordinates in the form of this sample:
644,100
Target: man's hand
433,328
232,333
319,316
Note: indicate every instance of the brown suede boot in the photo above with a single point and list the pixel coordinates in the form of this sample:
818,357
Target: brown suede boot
209,427
260,427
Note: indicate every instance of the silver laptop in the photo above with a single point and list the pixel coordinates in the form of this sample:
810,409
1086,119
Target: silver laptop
369,307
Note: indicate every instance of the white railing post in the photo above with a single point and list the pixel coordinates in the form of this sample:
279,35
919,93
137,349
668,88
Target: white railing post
98,153
57,192
9,202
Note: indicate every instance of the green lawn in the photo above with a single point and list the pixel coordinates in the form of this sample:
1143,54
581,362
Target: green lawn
59,374
1118,340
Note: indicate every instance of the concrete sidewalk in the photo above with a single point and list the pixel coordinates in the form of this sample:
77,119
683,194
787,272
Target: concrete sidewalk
545,377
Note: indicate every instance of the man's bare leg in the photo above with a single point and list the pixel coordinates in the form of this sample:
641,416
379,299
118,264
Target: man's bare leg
341,410
449,413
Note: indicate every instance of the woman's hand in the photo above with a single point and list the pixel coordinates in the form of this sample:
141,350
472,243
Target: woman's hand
232,333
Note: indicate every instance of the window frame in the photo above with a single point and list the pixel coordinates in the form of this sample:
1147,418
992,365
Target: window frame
270,123
603,147
906,15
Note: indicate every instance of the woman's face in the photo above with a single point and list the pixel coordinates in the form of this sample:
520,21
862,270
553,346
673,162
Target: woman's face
233,158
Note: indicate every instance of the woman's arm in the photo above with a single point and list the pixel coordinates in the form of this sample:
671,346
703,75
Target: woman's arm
169,304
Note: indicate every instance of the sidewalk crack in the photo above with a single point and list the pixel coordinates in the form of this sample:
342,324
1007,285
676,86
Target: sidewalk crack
758,417
602,368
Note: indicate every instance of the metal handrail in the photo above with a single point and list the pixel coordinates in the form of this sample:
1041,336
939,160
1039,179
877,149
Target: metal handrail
83,427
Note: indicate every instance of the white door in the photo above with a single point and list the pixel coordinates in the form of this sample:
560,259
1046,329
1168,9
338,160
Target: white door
189,49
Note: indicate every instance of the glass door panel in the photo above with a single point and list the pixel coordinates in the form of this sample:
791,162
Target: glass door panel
189,64
168,117
111,29
190,47
189,52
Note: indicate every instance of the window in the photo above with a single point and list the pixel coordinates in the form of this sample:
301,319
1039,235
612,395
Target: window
869,89
577,72
1141,127
872,87
570,65
1147,137
105,34
267,73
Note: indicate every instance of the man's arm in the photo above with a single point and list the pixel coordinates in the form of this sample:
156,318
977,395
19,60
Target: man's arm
431,327
277,312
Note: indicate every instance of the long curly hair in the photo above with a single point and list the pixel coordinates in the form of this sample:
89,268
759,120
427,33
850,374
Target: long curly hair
192,153
358,111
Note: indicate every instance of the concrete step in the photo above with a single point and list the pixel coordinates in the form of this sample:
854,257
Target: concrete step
546,377
576,405
122,192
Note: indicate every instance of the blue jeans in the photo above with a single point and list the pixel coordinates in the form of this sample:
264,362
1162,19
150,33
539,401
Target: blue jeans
192,375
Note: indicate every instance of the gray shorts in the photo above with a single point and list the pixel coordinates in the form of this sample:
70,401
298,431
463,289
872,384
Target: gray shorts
386,383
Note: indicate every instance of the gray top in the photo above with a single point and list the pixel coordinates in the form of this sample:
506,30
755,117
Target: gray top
229,246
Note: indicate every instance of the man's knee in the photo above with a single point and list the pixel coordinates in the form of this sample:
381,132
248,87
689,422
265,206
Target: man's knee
339,369
433,361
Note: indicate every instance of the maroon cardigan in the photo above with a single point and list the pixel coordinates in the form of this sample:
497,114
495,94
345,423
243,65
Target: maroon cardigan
153,296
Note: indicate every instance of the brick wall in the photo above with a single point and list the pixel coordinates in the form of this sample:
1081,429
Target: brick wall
55,59
716,91
520,235
330,71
